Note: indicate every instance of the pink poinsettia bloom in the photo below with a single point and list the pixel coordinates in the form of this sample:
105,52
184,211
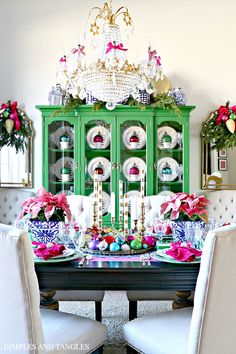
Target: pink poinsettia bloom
184,206
47,206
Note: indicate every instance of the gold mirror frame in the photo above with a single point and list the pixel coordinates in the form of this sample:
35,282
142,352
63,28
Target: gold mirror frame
27,179
211,180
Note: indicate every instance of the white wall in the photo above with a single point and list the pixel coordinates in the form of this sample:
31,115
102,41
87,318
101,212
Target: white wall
196,40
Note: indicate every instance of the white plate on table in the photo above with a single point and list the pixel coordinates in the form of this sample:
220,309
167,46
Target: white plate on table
66,255
161,255
104,132
141,134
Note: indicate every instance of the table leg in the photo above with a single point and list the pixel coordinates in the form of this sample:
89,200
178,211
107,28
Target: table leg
183,300
47,301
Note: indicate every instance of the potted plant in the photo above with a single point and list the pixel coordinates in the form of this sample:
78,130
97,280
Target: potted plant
44,212
183,207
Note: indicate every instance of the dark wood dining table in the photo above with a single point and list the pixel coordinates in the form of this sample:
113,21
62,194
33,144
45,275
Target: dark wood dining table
117,275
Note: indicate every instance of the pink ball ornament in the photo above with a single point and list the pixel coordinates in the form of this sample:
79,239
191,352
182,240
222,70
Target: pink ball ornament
150,240
224,118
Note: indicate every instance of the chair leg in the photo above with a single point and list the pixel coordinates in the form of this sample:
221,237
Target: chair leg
133,310
130,350
98,311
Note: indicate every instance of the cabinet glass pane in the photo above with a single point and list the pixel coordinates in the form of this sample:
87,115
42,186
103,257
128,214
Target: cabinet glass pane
98,158
169,157
133,155
61,157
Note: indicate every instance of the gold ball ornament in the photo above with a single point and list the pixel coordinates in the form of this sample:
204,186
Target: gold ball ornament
9,124
230,124
162,85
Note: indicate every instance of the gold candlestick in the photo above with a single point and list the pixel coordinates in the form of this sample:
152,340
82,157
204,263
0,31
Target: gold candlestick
142,219
135,226
94,213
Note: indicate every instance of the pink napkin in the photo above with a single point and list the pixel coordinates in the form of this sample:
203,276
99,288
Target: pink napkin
48,250
183,252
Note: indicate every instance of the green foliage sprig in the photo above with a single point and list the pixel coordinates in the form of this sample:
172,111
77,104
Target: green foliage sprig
219,129
21,127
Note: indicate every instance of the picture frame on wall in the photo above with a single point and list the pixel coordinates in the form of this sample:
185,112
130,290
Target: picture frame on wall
223,165
222,153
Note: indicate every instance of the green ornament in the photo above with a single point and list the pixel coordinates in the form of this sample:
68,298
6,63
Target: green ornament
136,244
232,116
5,114
65,171
166,138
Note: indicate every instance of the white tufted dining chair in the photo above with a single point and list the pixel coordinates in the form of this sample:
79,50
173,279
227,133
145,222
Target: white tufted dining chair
22,326
222,205
210,327
81,209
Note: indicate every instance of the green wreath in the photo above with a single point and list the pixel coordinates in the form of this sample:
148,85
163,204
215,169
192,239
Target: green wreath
15,127
220,128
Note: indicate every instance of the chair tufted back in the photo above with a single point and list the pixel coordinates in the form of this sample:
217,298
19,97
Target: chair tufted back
10,204
222,205
81,209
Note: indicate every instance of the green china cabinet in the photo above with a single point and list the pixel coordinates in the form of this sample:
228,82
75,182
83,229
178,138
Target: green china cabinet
117,145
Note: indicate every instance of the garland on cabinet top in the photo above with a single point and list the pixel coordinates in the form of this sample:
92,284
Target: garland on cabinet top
220,128
15,127
110,79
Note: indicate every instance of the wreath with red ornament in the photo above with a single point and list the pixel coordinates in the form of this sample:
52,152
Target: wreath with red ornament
220,128
15,127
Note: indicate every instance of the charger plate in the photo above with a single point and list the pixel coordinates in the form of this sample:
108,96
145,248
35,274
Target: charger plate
117,253
38,260
161,255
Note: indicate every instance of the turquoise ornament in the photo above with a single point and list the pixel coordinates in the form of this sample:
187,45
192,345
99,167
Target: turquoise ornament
65,170
64,138
120,240
114,247
136,244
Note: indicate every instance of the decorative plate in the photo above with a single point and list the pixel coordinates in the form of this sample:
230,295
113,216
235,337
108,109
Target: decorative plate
131,162
161,255
166,193
168,169
66,253
106,200
137,132
103,132
66,192
101,162
67,162
171,140
130,195
64,130
56,260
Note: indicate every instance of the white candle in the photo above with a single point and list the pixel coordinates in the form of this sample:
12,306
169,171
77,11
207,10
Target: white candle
121,198
142,184
95,195
134,208
126,218
113,204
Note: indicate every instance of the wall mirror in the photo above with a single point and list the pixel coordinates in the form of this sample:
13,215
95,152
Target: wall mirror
16,168
218,167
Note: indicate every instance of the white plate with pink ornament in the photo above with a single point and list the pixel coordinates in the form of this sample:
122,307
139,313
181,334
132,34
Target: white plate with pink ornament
134,137
132,169
102,166
98,137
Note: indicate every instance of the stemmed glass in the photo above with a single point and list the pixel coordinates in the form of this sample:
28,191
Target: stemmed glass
66,232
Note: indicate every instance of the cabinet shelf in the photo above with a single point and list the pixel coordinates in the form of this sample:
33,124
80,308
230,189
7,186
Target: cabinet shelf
170,182
63,151
60,182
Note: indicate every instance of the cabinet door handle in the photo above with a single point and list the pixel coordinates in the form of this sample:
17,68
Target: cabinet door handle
113,165
155,166
118,166
76,165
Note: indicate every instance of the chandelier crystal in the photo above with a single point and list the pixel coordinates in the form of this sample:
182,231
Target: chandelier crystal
109,77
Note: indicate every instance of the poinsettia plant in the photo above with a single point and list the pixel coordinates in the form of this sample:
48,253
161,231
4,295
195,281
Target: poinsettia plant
185,207
45,206
220,128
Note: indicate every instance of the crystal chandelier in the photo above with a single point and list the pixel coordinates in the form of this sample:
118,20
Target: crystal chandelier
110,77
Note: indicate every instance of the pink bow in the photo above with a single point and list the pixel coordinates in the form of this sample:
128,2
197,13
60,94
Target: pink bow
63,59
152,54
80,50
111,46
13,115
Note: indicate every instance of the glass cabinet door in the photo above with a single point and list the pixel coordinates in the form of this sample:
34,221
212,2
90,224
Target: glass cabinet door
135,155
98,157
60,157
171,163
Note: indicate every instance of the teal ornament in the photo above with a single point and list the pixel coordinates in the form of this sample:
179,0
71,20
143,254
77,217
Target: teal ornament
114,247
232,116
64,139
136,244
65,171
145,245
120,240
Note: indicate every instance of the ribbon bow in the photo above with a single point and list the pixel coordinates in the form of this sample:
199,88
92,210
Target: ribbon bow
13,115
152,54
79,50
111,46
63,59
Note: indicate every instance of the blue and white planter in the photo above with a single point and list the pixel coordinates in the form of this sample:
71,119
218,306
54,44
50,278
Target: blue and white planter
44,231
178,229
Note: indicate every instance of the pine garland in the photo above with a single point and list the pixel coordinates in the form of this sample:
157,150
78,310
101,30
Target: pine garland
162,101
20,130
216,129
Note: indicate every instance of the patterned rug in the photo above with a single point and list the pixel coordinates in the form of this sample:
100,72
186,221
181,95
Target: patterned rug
114,315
